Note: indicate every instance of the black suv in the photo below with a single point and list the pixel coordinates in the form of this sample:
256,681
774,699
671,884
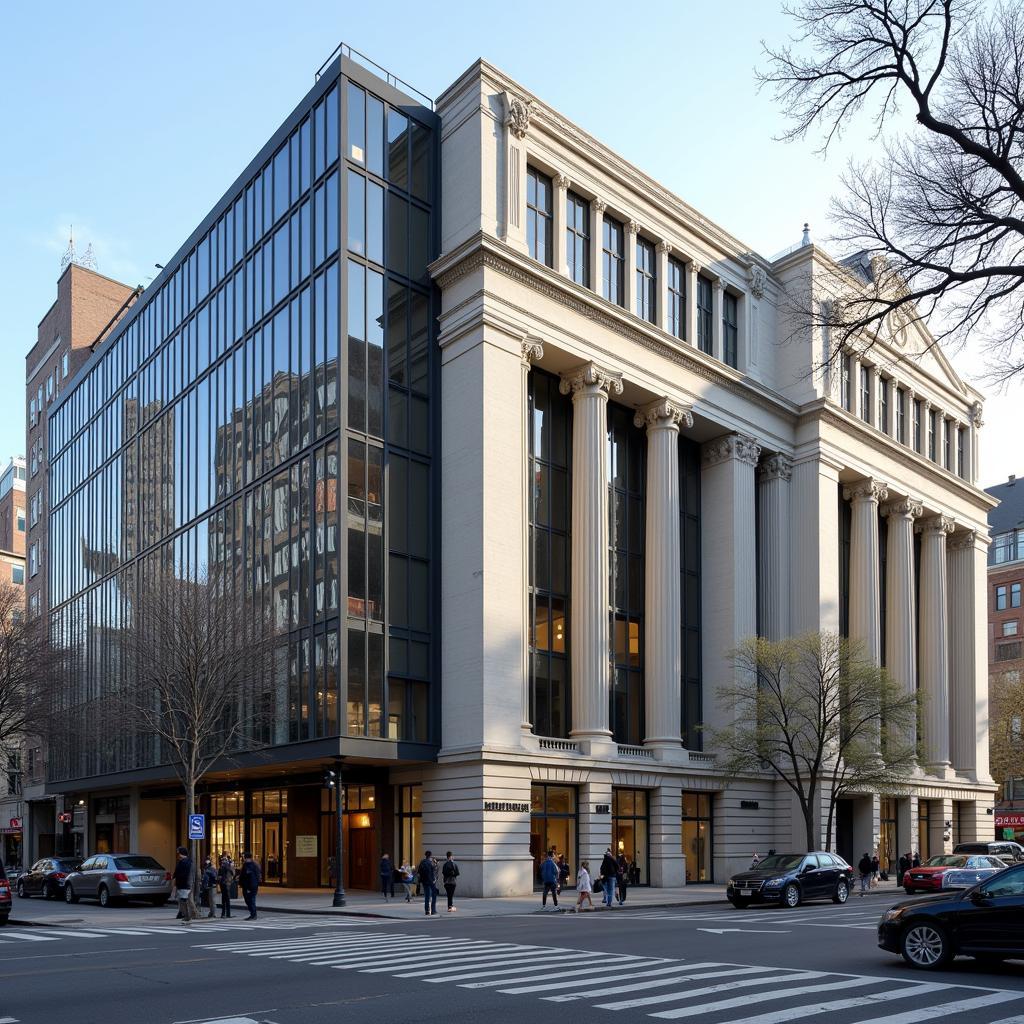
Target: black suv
790,878
5,896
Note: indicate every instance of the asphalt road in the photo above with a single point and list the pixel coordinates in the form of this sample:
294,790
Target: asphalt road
711,964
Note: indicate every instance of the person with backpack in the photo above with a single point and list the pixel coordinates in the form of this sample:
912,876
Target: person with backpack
226,882
426,871
609,876
549,876
449,872
864,867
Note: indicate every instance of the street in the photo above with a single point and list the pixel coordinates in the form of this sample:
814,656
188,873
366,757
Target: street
710,963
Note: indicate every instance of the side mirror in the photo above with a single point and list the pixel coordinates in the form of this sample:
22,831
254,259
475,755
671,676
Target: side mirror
979,896
806,869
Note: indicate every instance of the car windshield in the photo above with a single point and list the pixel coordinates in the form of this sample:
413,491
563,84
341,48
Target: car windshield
947,861
136,863
781,862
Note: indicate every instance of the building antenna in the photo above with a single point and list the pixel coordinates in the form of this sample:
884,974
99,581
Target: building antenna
89,259
69,253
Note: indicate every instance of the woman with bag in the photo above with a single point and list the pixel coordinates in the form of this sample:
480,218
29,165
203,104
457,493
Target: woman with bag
227,883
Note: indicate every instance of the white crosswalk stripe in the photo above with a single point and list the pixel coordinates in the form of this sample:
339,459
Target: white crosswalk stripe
814,918
655,987
57,933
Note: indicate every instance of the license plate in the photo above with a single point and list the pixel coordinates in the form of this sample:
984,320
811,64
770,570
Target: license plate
150,878
746,892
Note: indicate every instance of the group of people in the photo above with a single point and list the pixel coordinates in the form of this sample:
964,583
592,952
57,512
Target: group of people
615,876
429,875
907,861
223,879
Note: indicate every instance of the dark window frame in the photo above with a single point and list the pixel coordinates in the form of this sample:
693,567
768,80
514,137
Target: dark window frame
539,216
613,260
577,238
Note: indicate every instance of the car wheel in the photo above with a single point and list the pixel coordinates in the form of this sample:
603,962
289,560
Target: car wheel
47,891
791,896
69,894
842,893
739,902
21,889
104,896
925,945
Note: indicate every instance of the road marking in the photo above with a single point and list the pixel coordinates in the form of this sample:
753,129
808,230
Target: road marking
746,931
586,972
29,936
646,985
632,963
8,1020
766,978
945,1009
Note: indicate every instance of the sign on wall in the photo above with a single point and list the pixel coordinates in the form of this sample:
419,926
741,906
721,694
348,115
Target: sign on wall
197,826
1008,820
505,805
305,846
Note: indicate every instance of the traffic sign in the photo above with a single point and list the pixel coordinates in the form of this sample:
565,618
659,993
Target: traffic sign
197,826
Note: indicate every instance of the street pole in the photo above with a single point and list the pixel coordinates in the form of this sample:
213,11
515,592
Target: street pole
339,886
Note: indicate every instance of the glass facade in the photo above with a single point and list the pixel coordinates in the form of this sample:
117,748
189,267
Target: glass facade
231,416
697,837
553,825
630,830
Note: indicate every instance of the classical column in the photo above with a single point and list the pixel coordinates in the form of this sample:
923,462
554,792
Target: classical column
717,293
663,657
814,568
533,351
865,624
664,250
561,183
774,475
692,273
629,272
933,650
597,208
900,600
590,386
963,712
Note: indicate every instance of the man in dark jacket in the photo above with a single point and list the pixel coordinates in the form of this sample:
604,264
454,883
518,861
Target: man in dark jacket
449,874
549,876
609,876
225,879
249,878
426,872
387,874
183,884
864,867
902,867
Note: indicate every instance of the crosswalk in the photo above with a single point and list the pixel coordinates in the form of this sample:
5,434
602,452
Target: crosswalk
658,987
812,917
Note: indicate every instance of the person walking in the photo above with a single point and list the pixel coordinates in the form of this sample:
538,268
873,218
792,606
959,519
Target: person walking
902,867
864,867
584,886
609,874
449,872
250,877
208,885
563,873
426,871
183,884
874,871
549,876
407,876
622,878
387,876
226,881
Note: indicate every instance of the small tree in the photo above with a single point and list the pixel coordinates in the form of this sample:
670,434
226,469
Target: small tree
821,717
1006,733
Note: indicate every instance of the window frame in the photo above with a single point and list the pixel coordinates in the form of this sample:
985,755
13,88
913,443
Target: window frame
705,315
613,260
730,329
539,219
577,238
646,280
675,318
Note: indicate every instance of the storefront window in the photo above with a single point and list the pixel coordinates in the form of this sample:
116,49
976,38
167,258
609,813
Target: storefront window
227,826
889,838
629,831
269,833
410,820
113,824
553,825
923,829
697,837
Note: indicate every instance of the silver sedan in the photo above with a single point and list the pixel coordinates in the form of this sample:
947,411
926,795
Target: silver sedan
977,869
113,877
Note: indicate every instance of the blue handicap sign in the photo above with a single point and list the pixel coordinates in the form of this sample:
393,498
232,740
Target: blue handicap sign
197,826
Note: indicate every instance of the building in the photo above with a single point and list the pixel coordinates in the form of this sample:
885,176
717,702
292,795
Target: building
581,452
1006,634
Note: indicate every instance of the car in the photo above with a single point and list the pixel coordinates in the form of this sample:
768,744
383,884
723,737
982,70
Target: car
977,869
929,876
5,896
46,877
985,922
790,878
1012,853
112,877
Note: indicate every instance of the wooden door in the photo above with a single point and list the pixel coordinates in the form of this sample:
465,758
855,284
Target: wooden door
362,867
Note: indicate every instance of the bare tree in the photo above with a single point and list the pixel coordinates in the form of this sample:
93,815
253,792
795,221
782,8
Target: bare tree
821,717
938,217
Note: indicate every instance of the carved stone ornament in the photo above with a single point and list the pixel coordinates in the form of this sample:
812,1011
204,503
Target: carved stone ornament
664,247
598,205
562,180
589,376
517,115
976,419
936,524
776,467
909,507
633,227
866,490
731,446
533,350
664,413
758,282
962,541
695,267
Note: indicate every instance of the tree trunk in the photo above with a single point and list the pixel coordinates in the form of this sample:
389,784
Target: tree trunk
193,845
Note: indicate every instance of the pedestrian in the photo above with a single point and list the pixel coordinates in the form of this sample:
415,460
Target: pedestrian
549,876
226,881
386,872
449,872
584,887
563,872
426,871
754,861
609,874
622,878
902,867
874,870
408,876
916,863
864,867
208,885
250,876
183,885
771,852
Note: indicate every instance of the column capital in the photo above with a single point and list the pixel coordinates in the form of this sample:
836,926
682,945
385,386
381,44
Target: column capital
867,489
590,376
976,419
664,247
695,267
562,180
963,540
718,284
731,446
776,467
533,351
936,524
909,508
662,413
598,205
632,227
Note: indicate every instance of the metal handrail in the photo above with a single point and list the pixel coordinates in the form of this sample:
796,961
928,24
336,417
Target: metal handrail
371,65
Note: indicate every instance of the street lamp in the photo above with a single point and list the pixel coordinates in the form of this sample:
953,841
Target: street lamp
332,780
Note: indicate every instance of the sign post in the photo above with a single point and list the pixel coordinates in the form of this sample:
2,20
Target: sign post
197,826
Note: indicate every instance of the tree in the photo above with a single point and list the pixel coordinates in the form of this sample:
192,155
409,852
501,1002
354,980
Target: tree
939,216
1006,732
821,717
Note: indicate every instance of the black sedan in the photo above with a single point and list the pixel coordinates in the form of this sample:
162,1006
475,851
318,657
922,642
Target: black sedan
985,922
790,878
46,877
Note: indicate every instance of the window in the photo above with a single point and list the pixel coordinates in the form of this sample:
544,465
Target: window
1014,595
730,329
901,416
50,385
1008,652
577,239
1001,599
538,216
1009,628
65,364
947,444
612,260
32,415
704,315
917,427
932,420
865,394
845,397
676,298
646,281
697,846
18,574
1007,547
33,559
39,399
960,451
883,405
19,514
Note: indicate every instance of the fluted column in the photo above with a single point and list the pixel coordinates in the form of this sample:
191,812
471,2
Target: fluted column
865,602
963,714
774,475
561,183
933,643
664,250
663,655
590,386
900,600
629,273
597,208
717,292
532,351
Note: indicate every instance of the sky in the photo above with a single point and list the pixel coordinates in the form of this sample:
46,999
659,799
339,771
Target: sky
129,121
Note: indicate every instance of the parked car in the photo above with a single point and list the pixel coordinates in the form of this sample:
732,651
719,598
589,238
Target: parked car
929,877
1012,853
111,877
976,870
985,922
790,878
46,877
5,896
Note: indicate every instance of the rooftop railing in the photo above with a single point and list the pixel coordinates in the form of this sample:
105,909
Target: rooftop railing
371,65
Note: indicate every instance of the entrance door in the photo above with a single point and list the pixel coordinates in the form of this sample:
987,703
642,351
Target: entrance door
844,830
361,867
269,847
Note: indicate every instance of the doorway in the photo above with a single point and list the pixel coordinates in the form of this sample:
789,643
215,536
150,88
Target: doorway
844,830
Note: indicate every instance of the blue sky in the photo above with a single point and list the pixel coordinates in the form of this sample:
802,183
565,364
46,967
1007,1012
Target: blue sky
130,120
